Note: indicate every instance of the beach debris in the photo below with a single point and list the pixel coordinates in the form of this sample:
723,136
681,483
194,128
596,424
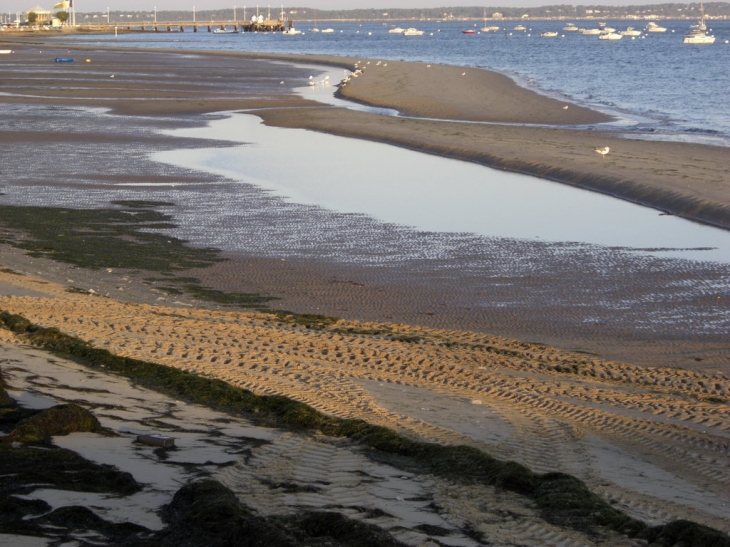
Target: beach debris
602,151
156,439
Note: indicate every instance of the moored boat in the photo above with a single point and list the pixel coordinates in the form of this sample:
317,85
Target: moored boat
651,26
610,36
630,31
412,32
570,27
397,30
549,34
698,33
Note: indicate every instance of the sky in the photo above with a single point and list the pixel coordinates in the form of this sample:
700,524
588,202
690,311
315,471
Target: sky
149,5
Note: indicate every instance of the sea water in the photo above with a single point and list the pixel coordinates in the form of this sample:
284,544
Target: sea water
664,88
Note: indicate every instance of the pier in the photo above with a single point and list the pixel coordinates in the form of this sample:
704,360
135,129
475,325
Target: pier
272,25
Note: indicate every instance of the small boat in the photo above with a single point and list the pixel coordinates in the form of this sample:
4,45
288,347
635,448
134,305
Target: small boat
487,28
468,31
397,30
630,31
549,34
570,27
591,31
610,36
696,36
520,28
412,32
292,31
64,59
224,31
651,26
328,31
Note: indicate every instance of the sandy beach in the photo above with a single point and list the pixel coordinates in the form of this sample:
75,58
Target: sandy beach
641,416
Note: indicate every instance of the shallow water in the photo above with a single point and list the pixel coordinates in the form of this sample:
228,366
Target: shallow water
434,194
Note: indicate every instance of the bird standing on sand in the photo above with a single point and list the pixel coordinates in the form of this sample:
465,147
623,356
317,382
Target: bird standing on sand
602,151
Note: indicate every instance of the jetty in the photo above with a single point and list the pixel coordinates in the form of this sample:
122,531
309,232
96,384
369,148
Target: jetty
259,25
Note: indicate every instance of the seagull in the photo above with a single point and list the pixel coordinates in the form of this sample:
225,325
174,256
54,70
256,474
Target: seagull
602,151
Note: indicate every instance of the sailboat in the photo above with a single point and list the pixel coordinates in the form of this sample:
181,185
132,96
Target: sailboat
485,28
698,33
314,29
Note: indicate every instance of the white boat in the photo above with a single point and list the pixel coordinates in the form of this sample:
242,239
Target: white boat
570,27
328,31
224,31
591,31
610,36
412,32
488,28
520,28
698,33
292,31
697,36
651,26
630,31
397,30
315,29
549,34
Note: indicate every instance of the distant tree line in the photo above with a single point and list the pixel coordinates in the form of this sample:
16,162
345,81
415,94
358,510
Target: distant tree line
562,11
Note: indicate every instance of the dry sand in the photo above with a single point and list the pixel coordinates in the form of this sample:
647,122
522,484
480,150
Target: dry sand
650,438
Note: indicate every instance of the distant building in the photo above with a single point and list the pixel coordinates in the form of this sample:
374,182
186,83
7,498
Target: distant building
497,15
43,16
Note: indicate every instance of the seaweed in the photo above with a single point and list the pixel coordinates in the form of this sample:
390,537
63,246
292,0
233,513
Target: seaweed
57,420
684,533
308,320
207,513
129,237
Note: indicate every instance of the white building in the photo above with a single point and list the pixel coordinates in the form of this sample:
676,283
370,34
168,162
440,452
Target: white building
43,16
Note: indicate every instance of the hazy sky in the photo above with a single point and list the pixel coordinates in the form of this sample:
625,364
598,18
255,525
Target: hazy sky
149,5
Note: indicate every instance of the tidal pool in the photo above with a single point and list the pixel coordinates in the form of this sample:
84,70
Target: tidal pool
434,194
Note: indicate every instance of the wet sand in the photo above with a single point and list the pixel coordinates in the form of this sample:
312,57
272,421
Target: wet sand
649,432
